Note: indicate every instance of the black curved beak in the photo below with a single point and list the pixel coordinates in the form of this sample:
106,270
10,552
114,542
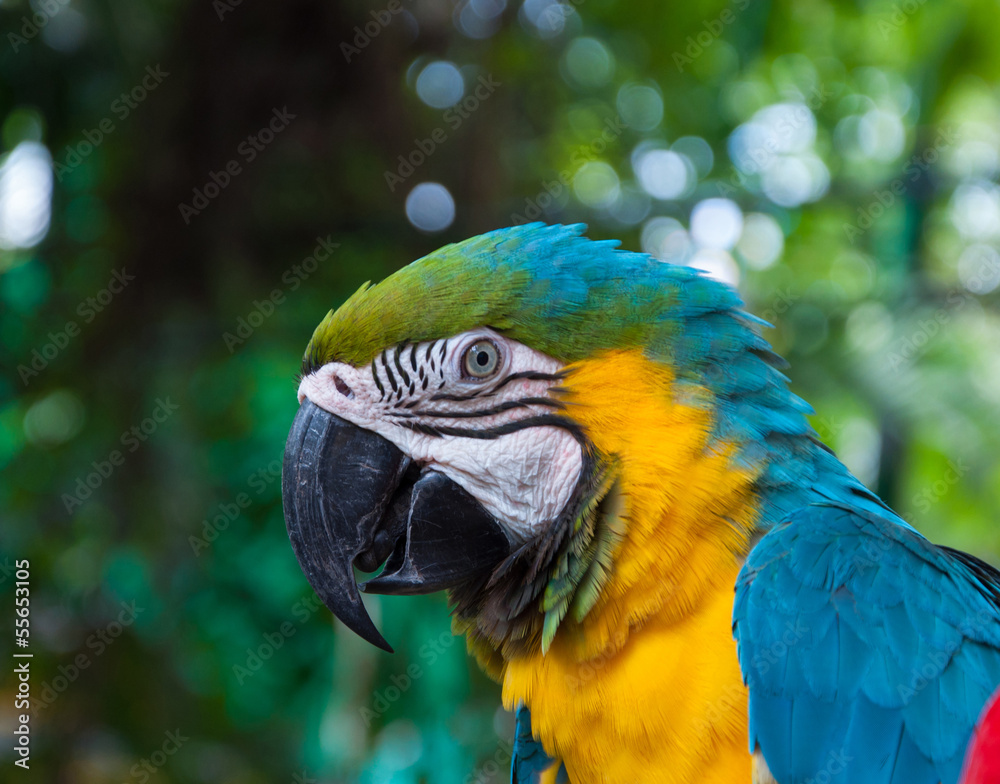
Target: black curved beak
352,498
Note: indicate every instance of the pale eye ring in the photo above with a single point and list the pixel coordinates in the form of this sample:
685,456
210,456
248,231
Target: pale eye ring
481,360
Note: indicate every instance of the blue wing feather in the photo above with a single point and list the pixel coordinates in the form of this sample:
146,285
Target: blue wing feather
868,652
529,760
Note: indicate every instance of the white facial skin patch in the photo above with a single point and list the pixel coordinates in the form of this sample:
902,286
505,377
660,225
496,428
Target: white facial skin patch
477,407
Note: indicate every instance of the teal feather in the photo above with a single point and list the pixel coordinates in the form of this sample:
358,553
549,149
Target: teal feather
895,651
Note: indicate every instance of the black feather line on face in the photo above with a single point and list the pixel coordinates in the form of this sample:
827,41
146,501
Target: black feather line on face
388,373
378,382
399,365
501,612
545,420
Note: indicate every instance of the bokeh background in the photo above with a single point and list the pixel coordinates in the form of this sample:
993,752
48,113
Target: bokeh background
185,190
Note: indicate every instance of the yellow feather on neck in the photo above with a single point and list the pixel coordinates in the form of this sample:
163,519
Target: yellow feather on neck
647,686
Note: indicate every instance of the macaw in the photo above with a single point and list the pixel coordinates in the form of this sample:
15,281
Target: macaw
592,450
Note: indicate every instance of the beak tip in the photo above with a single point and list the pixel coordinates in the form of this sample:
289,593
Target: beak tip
354,616
367,631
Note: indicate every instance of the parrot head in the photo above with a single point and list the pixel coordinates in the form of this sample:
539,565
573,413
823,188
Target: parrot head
445,430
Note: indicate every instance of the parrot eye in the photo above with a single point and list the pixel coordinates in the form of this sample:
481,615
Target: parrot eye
482,359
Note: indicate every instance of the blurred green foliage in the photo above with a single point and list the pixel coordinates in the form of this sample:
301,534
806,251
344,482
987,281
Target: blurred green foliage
161,272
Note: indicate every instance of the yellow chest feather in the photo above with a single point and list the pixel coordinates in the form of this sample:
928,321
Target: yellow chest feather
647,686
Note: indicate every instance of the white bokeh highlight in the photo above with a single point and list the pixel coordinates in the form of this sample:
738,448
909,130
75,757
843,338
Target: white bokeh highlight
762,241
663,174
440,84
975,210
430,207
546,18
716,223
25,196
716,263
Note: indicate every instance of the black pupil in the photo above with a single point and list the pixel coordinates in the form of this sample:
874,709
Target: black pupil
483,359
